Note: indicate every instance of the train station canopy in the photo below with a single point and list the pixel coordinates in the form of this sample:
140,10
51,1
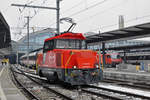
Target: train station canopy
133,32
141,46
5,38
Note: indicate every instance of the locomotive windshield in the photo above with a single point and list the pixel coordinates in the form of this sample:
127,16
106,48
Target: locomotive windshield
70,44
115,56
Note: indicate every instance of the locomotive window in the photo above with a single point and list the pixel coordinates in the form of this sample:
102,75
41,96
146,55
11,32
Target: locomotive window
46,46
83,45
49,45
70,44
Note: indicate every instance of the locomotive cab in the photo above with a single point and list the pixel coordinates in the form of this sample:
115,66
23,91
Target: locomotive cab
61,43
65,57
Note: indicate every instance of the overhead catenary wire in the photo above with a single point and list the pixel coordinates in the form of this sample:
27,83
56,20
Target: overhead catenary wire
90,7
28,3
75,6
99,13
102,12
35,13
83,10
94,5
21,17
128,21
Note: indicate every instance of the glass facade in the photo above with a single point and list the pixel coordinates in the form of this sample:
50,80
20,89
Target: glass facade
36,40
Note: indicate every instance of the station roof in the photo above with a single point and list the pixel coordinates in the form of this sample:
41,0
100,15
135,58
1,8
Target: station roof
133,32
5,38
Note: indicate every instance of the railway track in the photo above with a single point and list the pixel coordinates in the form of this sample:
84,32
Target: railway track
25,69
114,94
137,85
72,93
92,92
30,85
18,83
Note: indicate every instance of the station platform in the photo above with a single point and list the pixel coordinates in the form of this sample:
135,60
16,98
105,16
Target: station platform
139,77
8,91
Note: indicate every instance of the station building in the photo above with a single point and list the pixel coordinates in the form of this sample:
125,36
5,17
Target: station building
113,44
118,43
36,40
5,37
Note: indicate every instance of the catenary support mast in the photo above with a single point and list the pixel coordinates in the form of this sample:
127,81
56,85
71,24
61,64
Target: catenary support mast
41,7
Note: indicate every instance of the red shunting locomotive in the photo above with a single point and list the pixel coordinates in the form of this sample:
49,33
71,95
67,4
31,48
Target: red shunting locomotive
111,59
65,57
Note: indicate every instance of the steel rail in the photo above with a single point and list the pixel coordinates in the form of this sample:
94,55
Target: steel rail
101,95
31,76
26,71
129,84
144,87
23,87
121,92
47,87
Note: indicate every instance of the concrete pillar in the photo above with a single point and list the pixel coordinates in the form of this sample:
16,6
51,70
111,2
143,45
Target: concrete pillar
124,57
103,52
121,21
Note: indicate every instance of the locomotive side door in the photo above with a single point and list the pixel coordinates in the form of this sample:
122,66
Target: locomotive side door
48,53
44,57
45,49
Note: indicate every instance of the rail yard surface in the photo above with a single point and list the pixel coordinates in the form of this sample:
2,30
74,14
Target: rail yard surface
34,87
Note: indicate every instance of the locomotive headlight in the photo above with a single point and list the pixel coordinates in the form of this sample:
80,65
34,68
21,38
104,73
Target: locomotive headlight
96,65
74,67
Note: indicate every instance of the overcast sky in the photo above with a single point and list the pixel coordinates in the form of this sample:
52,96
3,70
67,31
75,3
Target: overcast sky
90,15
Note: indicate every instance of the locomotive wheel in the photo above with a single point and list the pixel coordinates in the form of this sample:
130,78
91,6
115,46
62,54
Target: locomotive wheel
53,78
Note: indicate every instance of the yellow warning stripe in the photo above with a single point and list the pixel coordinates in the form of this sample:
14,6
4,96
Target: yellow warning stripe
68,63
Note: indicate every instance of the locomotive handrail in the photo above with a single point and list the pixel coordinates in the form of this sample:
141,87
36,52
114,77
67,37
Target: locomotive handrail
99,60
68,63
